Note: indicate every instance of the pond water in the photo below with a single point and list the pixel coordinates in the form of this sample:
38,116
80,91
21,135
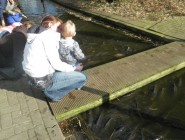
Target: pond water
153,112
99,43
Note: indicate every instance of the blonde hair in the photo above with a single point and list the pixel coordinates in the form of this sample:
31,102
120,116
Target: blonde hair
68,29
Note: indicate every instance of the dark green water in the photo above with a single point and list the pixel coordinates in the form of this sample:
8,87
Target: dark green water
99,43
154,112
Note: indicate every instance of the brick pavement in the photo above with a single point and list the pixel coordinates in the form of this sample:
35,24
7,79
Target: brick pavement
24,113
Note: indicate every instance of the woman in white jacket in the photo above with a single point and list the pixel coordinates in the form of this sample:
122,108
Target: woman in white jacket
43,66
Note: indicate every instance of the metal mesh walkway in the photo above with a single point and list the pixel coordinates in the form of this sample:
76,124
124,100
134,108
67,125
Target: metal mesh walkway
114,79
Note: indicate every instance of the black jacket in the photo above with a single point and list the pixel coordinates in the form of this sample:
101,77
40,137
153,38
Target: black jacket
12,47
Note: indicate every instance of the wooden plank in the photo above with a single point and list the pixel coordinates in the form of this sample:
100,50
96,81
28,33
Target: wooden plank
172,27
112,80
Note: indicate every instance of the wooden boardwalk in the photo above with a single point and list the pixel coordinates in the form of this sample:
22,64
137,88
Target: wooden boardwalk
114,79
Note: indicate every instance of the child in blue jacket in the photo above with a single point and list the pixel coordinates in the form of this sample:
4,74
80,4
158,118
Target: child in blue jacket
16,16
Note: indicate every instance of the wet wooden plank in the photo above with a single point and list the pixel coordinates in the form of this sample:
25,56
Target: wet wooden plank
172,27
115,79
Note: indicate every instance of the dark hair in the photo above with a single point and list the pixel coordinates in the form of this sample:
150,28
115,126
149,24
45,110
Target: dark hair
48,20
28,24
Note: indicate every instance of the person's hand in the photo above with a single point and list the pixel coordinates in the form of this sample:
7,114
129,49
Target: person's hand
3,22
23,16
79,67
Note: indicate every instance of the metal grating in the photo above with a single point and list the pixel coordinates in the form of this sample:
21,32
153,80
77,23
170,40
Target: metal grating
111,80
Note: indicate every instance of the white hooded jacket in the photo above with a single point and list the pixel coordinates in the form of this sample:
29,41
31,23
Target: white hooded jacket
41,55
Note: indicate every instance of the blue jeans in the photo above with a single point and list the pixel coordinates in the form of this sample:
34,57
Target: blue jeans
63,83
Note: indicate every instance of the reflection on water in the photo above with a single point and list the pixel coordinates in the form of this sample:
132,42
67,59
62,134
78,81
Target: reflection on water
153,112
99,43
36,8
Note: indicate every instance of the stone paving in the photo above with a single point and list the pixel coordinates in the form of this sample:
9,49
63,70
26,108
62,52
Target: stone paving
25,115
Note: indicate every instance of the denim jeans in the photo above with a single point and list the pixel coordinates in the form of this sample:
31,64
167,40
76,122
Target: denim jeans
63,83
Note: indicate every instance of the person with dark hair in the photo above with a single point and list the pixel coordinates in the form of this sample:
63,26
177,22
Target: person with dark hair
42,64
11,53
